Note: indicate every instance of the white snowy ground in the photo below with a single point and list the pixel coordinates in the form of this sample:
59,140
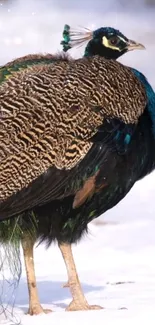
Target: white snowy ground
123,250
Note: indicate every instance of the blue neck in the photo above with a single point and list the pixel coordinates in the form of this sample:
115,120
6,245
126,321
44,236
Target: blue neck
150,96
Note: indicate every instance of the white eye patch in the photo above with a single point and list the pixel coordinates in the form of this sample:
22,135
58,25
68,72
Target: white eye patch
106,43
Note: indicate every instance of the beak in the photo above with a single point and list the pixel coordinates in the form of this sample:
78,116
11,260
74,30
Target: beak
132,45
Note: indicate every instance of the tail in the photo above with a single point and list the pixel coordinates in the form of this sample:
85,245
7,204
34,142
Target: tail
75,37
10,271
11,233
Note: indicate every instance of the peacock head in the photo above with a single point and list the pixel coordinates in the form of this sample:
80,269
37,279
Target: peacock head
105,41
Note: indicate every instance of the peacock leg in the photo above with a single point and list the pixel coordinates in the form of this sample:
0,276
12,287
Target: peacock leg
79,301
35,307
66,285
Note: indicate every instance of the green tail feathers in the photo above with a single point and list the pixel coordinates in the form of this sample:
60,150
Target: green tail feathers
66,38
12,231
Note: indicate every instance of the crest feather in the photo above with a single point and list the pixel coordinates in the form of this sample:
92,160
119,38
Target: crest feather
75,37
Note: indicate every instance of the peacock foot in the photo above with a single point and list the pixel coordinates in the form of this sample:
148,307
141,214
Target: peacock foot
37,310
77,305
66,285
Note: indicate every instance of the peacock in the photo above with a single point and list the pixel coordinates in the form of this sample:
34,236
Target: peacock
64,168
105,41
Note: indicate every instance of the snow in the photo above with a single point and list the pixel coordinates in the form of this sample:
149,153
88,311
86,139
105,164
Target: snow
116,261
116,266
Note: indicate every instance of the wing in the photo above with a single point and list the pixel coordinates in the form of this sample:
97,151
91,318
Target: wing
27,61
50,116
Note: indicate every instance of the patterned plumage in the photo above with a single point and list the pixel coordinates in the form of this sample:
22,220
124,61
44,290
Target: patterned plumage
49,113
24,62
115,151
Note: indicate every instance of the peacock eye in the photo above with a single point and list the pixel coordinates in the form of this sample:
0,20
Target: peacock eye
114,40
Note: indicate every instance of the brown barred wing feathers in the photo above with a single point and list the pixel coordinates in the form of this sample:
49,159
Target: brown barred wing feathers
49,113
